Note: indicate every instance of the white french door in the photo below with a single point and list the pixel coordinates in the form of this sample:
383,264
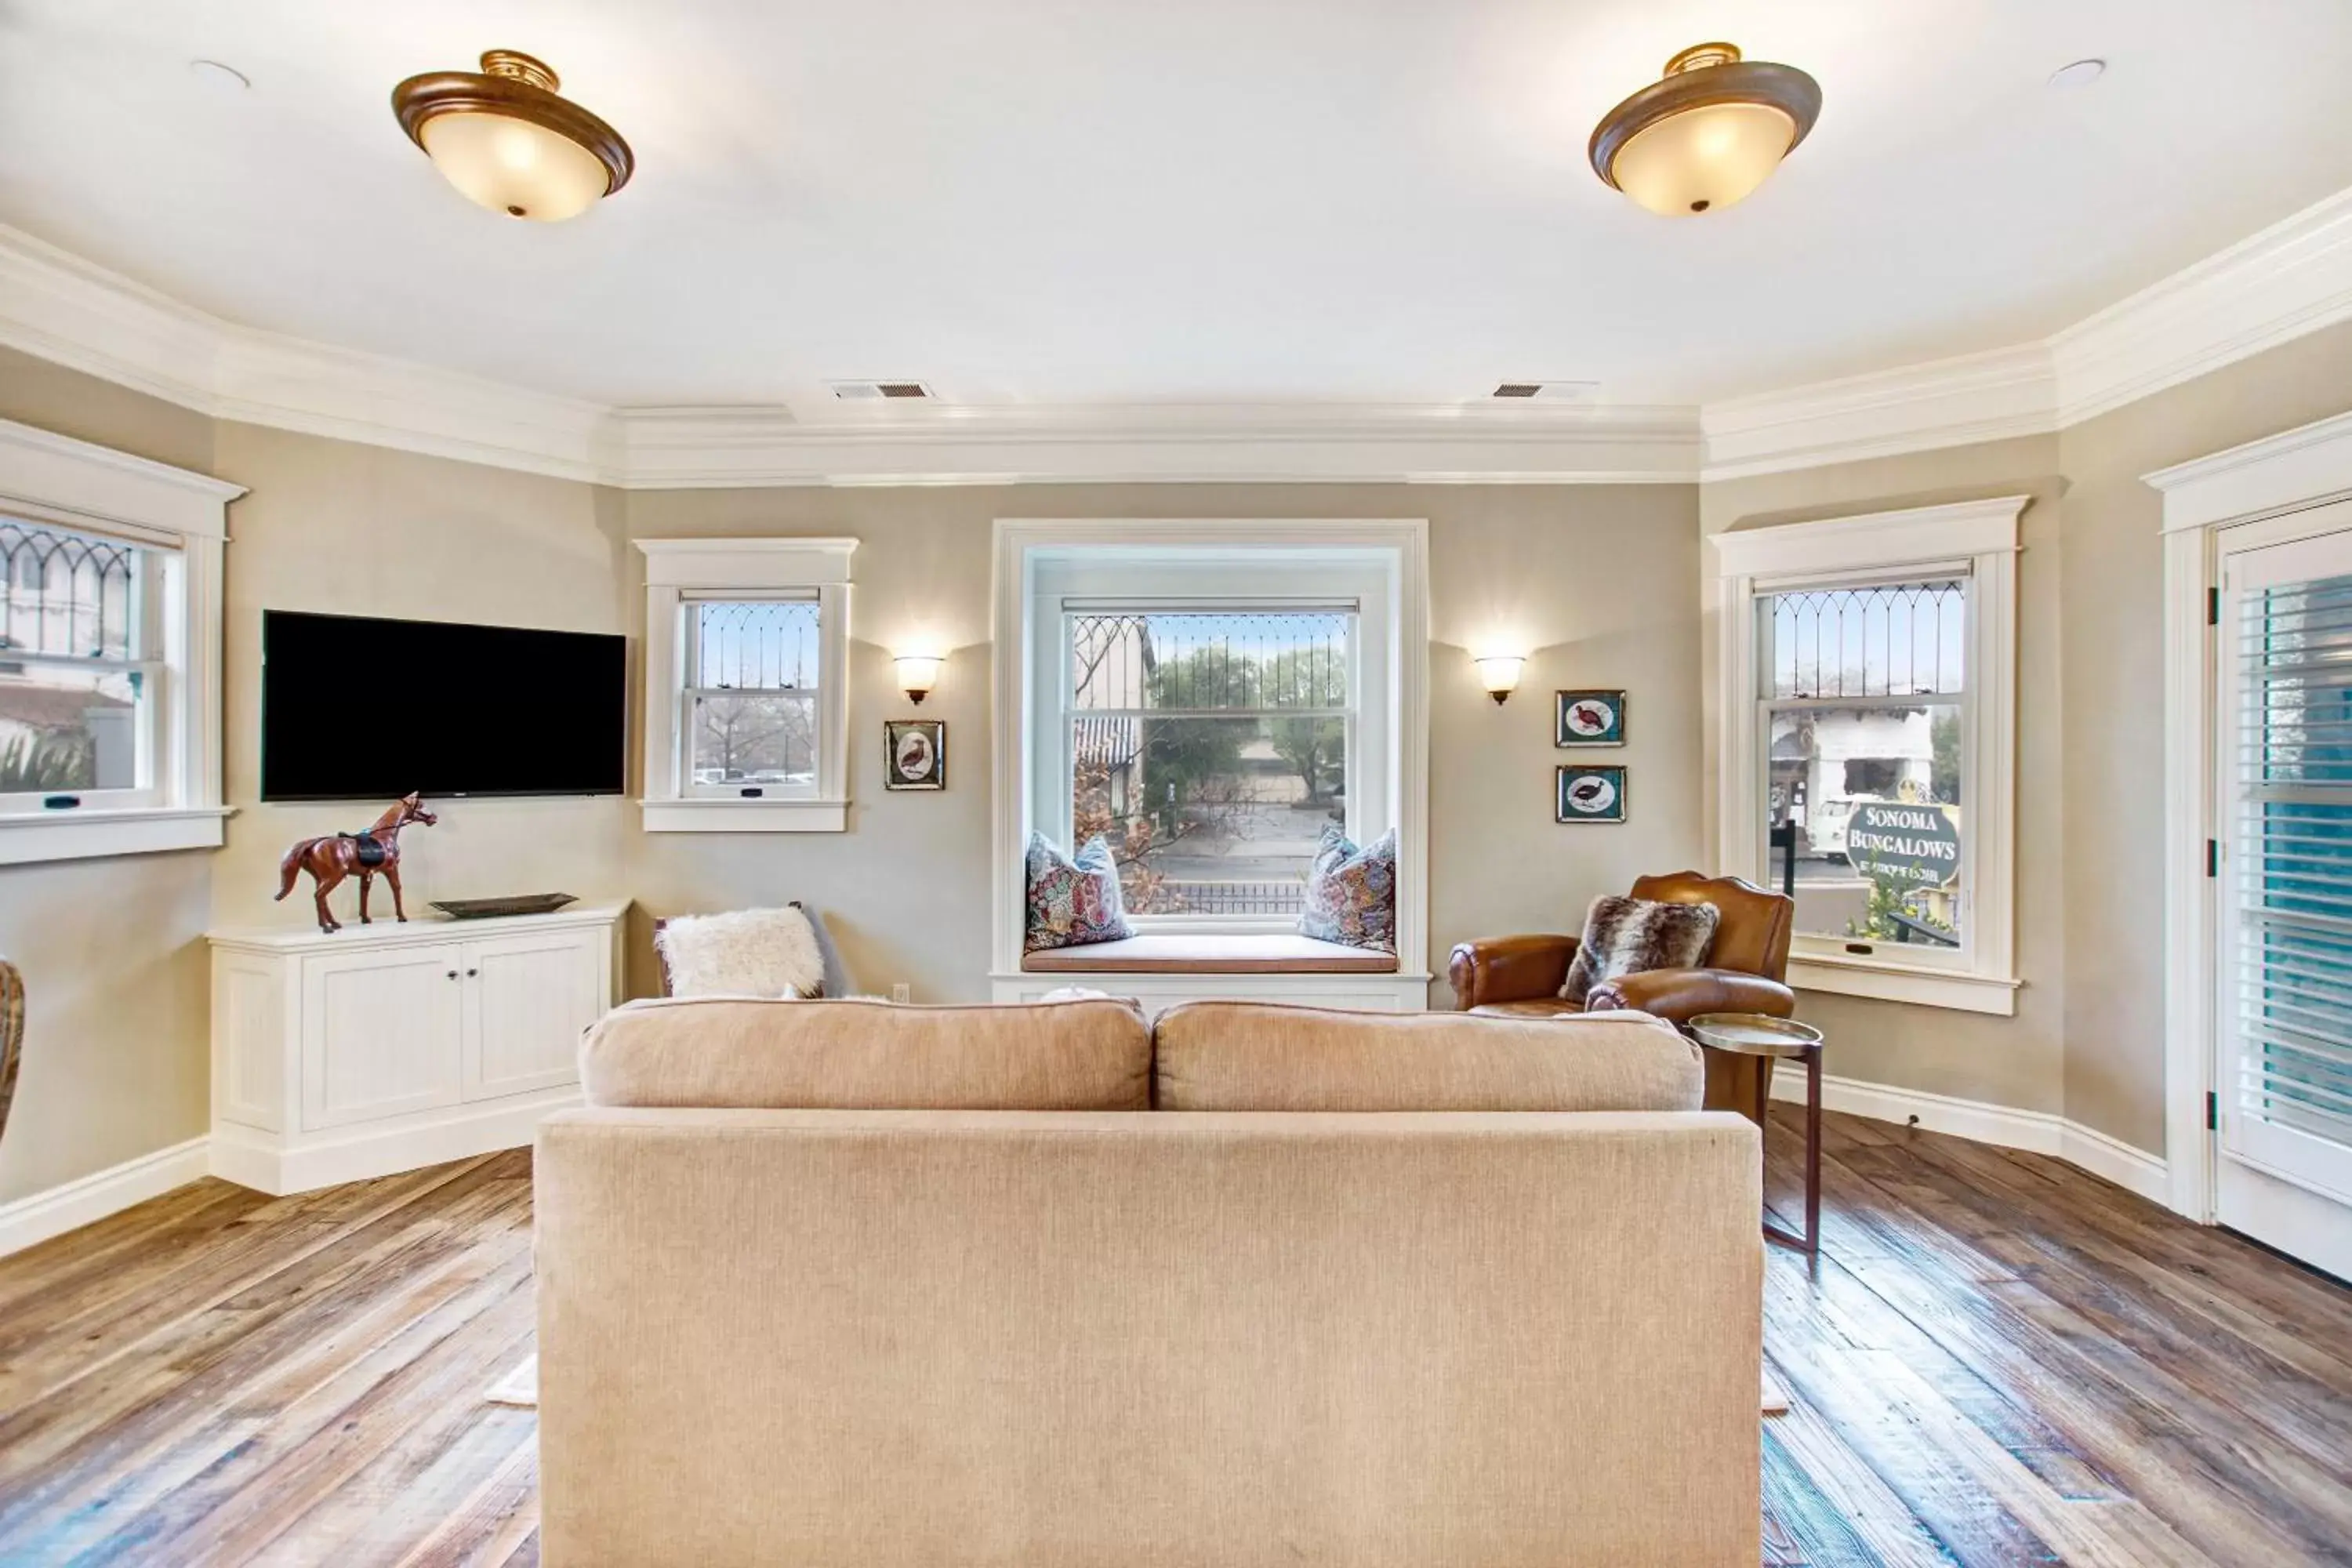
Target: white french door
2283,1058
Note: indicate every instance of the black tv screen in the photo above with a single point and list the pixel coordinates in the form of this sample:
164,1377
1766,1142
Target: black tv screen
359,709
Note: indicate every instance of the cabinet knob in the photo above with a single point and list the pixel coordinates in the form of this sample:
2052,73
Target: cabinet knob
453,974
471,973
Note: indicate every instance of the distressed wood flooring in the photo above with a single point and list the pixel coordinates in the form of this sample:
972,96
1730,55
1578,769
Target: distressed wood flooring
1998,1360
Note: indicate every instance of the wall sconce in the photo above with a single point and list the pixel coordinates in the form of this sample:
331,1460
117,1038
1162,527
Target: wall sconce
1499,674
918,673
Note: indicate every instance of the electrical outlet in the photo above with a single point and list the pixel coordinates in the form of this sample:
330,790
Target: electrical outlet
901,992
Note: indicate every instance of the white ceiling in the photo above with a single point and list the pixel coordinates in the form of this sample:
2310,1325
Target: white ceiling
1113,201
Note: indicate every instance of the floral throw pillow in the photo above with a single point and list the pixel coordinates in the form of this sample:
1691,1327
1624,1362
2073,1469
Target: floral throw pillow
1351,892
1073,902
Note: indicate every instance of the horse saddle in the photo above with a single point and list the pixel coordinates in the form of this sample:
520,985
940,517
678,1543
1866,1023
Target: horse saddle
367,847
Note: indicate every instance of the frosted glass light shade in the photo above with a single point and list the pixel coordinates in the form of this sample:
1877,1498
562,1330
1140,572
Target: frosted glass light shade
1499,674
918,673
1706,134
514,166
1703,158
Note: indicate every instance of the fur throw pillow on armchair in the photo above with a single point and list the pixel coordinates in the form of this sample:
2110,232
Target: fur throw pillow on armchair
1628,936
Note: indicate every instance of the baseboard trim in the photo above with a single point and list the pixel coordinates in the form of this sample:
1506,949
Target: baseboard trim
2036,1131
89,1199
263,1161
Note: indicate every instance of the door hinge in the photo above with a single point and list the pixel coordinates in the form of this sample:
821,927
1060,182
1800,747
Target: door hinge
2212,856
2213,606
2212,1111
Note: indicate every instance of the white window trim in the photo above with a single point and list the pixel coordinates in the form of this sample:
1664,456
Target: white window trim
676,570
1751,561
1403,543
183,516
2272,483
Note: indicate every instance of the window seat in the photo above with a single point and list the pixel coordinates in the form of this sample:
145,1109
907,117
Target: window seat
1269,955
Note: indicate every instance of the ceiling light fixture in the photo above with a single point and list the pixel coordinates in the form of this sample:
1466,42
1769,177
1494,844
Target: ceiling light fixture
506,141
1711,130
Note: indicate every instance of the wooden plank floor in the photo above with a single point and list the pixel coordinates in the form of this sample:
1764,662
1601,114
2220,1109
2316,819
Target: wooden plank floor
1998,1361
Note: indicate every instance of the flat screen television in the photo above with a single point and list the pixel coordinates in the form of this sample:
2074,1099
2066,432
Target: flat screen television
357,709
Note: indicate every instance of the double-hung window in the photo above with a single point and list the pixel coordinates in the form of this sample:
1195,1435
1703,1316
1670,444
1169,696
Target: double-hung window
79,676
110,651
1208,742
754,683
747,708
1867,704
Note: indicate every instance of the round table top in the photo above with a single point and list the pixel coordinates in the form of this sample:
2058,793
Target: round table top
1754,1035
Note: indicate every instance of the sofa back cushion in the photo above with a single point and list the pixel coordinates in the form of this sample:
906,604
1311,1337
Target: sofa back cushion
1257,1056
1090,1055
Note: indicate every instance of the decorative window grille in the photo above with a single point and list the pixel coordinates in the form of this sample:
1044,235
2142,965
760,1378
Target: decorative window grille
1862,691
1210,745
76,682
753,682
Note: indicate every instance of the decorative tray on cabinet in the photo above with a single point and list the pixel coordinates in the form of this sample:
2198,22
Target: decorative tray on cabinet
513,904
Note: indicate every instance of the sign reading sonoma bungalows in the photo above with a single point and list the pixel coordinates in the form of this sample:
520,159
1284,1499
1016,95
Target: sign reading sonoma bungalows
1918,845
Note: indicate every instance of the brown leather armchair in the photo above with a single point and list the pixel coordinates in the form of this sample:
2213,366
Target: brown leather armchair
1747,967
1747,971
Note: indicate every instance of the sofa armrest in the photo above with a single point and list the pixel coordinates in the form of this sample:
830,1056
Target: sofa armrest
1679,995
1510,969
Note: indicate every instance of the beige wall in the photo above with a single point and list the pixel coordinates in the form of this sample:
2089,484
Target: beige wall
351,530
2017,1061
1593,580
2113,659
115,1043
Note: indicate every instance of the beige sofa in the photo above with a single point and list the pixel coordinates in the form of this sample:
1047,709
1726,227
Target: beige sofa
816,1286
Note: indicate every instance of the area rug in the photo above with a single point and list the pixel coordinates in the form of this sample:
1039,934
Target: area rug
518,1387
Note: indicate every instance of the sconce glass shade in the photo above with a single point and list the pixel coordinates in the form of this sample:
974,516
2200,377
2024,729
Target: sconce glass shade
918,673
1499,674
1708,134
508,140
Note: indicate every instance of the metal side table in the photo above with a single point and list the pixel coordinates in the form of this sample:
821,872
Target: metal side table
1775,1039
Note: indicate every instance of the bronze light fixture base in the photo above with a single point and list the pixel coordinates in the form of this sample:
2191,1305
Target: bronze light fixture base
515,86
1701,77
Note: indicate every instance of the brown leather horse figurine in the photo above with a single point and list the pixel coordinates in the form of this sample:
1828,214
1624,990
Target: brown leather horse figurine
339,855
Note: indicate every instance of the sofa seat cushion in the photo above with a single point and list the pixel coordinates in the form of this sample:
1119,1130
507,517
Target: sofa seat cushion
1260,1055
1271,954
1092,1055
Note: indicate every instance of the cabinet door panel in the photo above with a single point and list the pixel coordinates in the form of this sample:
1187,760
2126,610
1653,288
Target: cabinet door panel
380,1034
528,999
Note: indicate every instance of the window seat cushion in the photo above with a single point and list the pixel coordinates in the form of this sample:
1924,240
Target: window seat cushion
1269,955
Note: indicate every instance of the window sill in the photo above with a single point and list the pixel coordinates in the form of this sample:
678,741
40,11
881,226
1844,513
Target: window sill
85,835
746,815
1916,984
1204,954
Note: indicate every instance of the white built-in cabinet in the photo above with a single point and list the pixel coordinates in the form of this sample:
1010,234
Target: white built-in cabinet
382,1047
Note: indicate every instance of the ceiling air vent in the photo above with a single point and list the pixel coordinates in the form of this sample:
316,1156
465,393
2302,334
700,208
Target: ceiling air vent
1545,391
877,391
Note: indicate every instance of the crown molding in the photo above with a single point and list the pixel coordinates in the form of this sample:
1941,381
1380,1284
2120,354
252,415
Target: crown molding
1944,403
2290,279
688,448
73,312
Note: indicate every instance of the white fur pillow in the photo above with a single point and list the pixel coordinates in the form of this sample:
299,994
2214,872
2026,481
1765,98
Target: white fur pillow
750,953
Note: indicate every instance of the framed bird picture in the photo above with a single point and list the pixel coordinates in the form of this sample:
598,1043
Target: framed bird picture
914,754
1590,794
1588,719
